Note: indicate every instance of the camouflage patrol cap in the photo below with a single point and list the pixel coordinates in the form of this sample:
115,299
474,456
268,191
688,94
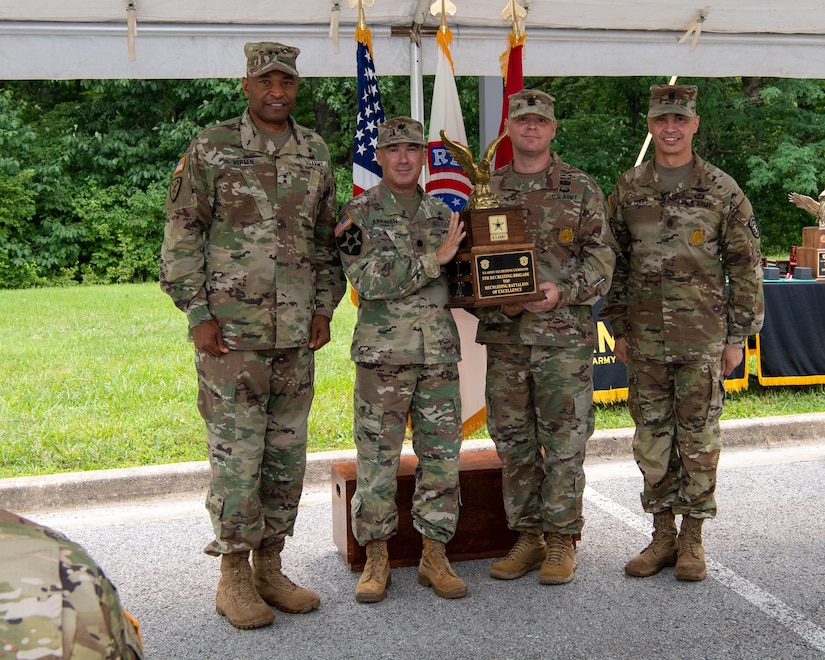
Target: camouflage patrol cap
399,130
531,102
265,56
672,100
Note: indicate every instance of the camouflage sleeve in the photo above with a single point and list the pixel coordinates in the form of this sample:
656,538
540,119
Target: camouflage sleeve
55,601
615,305
597,259
384,266
188,216
742,259
330,284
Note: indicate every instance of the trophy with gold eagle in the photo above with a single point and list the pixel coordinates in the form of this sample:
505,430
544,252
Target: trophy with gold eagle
495,264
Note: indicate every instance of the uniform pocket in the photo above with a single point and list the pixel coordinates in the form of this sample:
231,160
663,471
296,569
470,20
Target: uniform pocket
217,386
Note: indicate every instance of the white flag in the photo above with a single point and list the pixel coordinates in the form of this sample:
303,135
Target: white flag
447,181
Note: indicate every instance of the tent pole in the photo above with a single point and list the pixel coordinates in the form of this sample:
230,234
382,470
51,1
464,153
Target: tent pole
416,82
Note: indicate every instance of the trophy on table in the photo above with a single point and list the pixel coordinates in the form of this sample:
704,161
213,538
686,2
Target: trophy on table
495,265
811,254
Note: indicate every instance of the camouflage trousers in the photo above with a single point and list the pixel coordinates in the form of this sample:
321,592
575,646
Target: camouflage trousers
540,416
255,405
676,409
385,396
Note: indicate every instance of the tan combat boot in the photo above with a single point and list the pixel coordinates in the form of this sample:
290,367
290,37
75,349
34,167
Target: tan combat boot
372,587
434,571
275,587
237,599
560,562
690,564
525,556
662,550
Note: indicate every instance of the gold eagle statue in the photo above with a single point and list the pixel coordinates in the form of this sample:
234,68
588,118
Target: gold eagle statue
809,204
482,196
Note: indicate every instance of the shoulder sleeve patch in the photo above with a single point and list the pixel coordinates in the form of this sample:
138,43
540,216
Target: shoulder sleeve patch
753,227
350,241
174,189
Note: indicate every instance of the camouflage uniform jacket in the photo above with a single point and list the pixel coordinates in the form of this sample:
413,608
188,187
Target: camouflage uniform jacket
54,600
402,290
567,221
249,235
676,249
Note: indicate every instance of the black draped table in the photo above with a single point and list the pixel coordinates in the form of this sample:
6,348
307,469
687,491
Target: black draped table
790,349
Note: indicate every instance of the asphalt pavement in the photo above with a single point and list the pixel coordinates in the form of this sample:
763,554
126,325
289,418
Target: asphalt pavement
764,596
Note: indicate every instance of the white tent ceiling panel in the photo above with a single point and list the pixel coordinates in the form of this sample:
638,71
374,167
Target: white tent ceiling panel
734,16
43,39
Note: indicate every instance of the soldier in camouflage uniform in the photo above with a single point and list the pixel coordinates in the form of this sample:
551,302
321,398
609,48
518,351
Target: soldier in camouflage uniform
540,354
55,602
684,227
249,255
394,241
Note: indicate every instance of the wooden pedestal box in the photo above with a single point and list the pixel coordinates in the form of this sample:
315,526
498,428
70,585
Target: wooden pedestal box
482,530
812,252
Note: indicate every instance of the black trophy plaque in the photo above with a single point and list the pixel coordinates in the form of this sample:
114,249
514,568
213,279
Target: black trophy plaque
494,265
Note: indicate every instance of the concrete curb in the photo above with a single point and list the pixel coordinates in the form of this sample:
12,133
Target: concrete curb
81,489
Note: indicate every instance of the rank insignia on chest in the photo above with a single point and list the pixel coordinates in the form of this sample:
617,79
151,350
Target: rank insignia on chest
566,236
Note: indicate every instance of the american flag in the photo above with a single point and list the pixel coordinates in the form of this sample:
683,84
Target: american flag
366,172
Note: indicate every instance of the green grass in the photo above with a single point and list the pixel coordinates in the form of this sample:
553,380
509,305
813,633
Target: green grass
103,377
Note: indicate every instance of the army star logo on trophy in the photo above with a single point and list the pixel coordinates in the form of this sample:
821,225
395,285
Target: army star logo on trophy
495,264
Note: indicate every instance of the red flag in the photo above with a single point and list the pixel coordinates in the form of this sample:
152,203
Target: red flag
511,70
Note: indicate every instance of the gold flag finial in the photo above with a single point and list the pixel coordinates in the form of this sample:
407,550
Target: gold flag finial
362,21
516,14
443,7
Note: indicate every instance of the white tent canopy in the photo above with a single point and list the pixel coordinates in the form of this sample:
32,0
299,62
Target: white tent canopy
68,39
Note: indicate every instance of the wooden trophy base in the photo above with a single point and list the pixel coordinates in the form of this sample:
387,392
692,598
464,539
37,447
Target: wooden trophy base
812,252
482,529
